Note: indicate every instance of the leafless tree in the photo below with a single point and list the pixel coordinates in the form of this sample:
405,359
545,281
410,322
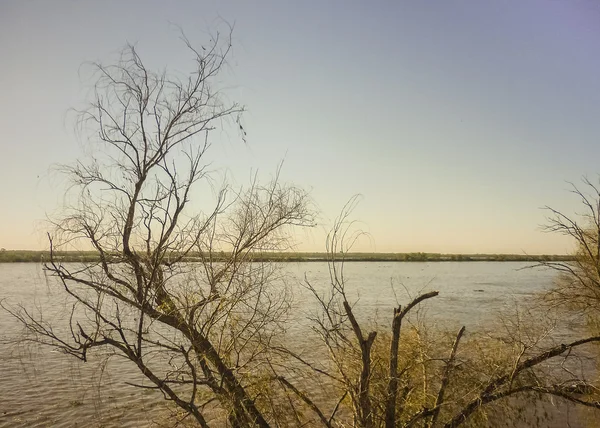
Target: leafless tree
578,286
409,377
199,332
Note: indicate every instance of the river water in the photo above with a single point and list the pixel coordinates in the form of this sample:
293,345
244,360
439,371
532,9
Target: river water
40,387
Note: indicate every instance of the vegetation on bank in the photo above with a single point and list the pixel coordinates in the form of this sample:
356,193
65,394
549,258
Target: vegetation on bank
36,256
19,256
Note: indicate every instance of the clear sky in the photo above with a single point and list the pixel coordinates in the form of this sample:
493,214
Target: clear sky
455,120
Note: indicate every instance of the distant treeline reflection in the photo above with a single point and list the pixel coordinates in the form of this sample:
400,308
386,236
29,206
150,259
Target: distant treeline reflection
13,256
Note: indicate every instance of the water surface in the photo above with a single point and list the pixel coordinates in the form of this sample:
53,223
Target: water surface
42,387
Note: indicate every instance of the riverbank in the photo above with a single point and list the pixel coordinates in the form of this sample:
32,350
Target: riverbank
27,256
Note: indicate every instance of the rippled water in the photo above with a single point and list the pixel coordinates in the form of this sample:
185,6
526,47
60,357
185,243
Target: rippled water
471,293
42,388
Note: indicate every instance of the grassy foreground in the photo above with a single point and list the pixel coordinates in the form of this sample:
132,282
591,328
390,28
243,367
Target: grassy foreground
13,256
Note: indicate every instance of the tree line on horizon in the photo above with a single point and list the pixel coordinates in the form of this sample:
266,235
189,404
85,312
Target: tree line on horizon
40,256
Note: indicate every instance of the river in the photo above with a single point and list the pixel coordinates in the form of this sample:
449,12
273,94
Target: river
41,387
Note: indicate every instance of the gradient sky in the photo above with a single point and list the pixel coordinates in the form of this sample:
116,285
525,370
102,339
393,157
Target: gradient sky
455,120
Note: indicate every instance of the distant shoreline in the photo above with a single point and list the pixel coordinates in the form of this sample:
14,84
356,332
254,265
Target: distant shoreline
29,256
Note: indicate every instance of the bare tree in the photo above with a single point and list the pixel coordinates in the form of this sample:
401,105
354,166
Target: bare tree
411,377
578,286
199,332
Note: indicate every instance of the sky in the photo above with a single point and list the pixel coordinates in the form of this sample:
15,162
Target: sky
455,121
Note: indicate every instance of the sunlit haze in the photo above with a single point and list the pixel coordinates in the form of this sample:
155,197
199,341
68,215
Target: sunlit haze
455,121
